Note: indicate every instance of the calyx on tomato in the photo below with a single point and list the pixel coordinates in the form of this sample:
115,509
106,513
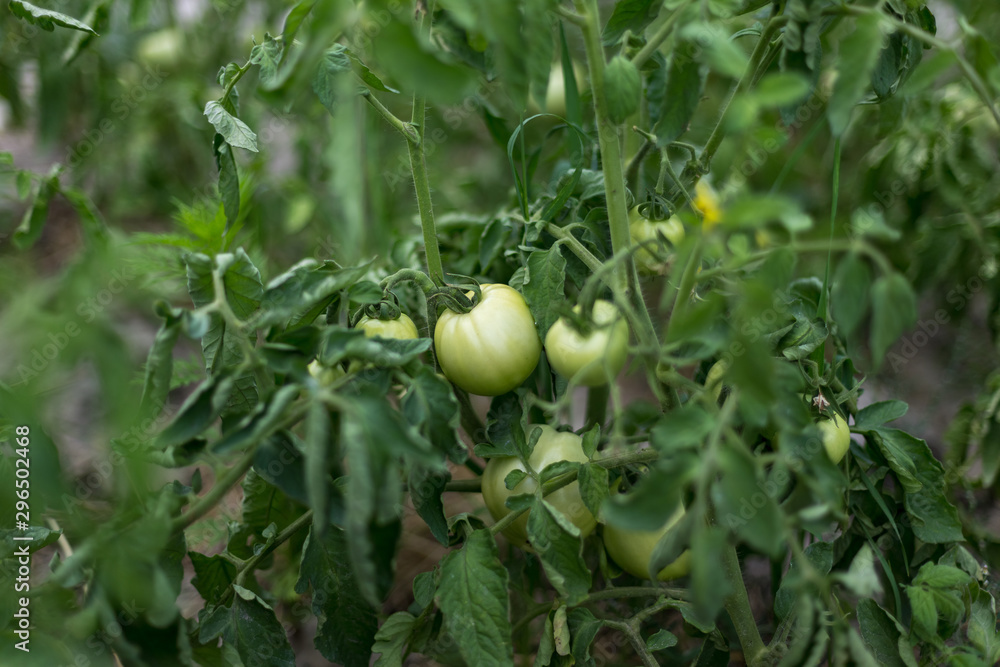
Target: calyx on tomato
552,447
593,358
491,349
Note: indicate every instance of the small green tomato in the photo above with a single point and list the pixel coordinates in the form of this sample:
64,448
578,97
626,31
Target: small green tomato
594,359
401,328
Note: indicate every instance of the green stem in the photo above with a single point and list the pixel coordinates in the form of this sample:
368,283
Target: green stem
418,165
597,405
637,592
222,486
406,129
660,36
632,632
464,486
279,539
715,139
738,608
232,82
688,280
607,134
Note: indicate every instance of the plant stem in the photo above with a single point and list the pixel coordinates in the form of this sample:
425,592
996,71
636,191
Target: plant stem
464,486
647,51
607,133
406,129
637,592
597,405
279,539
738,608
715,139
688,280
635,638
222,486
418,165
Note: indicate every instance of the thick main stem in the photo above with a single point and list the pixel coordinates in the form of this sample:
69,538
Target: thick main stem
738,608
607,133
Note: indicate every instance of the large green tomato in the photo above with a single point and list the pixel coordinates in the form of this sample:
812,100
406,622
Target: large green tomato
552,447
402,328
836,437
632,549
491,349
594,359
645,231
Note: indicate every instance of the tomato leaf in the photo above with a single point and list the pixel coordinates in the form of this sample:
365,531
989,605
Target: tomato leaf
426,486
391,639
212,576
593,484
850,292
234,131
743,505
431,406
876,414
559,547
894,308
504,427
934,519
45,18
858,55
472,595
684,84
346,623
251,627
648,506
629,16
544,285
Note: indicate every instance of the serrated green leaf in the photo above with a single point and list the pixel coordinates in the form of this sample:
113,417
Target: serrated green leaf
850,292
894,310
234,131
347,624
858,55
472,594
45,18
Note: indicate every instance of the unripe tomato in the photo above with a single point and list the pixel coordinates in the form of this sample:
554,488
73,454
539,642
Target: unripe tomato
325,376
552,447
555,93
632,549
491,349
596,358
643,231
836,437
402,328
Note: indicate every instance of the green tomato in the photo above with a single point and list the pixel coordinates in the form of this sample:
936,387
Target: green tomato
836,437
594,359
632,550
552,447
642,230
402,328
326,376
491,349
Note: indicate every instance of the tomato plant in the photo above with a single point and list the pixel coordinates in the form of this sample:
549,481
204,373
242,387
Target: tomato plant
224,227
